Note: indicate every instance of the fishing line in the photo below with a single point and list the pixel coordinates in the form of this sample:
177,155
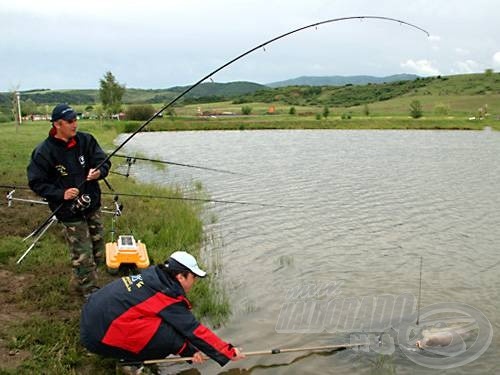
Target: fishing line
420,289
175,163
174,100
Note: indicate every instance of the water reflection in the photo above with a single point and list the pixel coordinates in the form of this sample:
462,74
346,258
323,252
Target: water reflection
242,371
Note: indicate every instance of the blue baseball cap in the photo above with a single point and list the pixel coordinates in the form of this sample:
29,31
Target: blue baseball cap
63,112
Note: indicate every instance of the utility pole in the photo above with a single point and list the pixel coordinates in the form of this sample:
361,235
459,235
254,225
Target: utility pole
16,108
18,98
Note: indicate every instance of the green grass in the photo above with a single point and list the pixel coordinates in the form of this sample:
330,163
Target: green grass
310,122
41,315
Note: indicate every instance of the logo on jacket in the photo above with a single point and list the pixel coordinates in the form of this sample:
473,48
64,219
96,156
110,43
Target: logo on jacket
61,169
81,159
130,281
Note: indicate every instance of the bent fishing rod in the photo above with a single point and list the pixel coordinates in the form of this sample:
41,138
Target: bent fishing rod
201,80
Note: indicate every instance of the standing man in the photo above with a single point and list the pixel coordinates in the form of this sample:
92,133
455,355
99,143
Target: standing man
148,316
63,171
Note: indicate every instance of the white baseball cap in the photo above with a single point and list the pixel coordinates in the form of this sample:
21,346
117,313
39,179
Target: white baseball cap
188,261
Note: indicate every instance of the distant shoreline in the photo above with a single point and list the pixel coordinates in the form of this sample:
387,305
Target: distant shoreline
282,122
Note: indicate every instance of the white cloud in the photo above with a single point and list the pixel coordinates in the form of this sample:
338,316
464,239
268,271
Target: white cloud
435,38
467,66
461,51
496,59
423,67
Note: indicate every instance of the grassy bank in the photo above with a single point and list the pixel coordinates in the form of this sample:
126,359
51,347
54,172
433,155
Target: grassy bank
310,122
39,320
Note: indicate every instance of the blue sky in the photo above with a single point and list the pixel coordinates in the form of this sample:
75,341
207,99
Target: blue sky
158,44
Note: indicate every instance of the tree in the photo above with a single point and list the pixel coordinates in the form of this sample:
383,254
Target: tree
326,112
416,109
111,93
292,111
366,110
139,112
28,107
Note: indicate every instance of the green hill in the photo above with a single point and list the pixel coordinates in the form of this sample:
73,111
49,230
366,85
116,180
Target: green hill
354,95
210,91
229,89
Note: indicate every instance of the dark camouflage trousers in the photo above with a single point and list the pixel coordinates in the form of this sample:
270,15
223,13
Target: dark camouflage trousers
86,246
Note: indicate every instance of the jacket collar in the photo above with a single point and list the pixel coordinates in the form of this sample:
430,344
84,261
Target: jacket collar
70,144
171,286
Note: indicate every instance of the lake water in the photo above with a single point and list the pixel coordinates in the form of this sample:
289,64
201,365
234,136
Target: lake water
361,210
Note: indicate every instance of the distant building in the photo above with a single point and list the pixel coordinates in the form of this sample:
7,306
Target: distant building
118,116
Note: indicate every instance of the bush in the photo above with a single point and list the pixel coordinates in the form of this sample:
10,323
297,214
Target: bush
246,110
140,112
346,116
5,118
416,109
292,111
170,112
129,127
441,109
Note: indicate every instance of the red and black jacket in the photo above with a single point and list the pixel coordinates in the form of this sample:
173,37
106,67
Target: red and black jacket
132,312
57,165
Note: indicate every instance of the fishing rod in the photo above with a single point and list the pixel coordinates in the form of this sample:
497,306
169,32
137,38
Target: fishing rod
193,199
10,199
35,241
119,174
201,80
263,352
132,159
14,187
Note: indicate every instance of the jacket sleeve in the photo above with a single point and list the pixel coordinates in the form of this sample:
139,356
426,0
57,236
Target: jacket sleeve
184,322
97,156
40,181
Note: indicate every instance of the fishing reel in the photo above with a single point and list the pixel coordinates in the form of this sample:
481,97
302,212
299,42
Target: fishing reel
81,203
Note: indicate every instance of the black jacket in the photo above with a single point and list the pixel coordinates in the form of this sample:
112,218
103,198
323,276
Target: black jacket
57,165
132,312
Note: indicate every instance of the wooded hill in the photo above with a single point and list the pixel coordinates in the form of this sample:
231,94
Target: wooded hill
209,91
341,80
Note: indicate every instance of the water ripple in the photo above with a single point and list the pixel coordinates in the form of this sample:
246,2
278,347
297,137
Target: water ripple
362,207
